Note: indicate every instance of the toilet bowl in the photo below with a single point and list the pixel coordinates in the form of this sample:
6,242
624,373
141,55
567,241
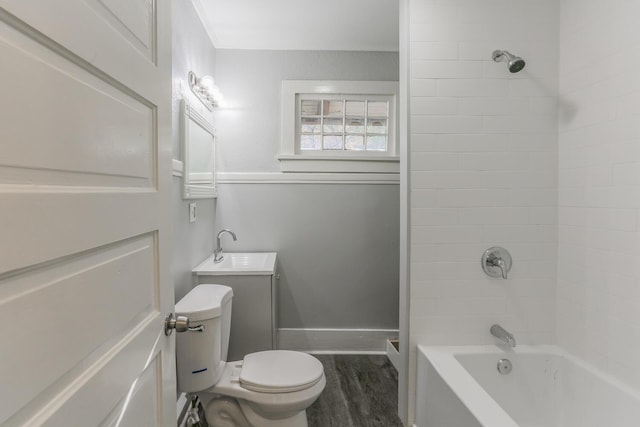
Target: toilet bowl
270,388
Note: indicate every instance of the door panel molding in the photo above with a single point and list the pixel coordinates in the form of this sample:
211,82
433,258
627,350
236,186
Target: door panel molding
85,191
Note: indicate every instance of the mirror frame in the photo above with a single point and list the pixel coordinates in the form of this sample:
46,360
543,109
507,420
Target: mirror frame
192,189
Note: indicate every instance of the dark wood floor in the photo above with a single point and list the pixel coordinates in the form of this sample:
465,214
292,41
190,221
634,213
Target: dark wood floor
361,391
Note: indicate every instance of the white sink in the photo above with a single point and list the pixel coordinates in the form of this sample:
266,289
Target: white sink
245,263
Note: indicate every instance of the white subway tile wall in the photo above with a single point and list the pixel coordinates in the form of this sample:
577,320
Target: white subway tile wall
484,169
598,303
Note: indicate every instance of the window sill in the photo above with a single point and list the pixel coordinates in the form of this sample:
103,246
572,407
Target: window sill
362,164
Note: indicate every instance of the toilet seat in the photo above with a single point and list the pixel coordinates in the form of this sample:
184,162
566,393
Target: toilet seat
280,371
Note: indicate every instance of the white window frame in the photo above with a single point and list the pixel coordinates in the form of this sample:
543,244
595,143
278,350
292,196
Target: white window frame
292,159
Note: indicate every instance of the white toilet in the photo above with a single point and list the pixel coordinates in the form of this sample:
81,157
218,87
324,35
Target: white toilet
266,389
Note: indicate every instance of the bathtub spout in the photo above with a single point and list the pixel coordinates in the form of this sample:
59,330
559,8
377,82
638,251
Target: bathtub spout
502,334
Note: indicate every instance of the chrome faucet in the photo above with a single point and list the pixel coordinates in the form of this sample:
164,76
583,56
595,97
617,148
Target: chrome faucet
504,336
217,253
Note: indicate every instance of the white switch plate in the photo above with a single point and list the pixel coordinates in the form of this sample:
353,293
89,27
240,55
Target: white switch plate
192,212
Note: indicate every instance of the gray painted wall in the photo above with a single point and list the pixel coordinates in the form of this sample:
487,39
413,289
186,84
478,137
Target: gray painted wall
192,50
338,244
251,81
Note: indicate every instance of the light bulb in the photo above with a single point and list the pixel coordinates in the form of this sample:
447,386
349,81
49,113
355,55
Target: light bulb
206,82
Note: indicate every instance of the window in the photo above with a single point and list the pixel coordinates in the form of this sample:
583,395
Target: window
343,123
343,126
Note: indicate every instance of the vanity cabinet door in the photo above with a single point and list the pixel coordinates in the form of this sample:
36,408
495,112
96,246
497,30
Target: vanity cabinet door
251,313
275,280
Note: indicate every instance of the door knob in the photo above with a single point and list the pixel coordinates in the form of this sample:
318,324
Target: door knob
171,322
180,324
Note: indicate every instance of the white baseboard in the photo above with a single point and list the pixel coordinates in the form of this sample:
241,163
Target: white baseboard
393,355
335,341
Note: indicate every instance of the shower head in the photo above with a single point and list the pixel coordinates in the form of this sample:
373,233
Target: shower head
515,63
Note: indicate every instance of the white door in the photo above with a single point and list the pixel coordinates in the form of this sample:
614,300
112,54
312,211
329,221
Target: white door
85,92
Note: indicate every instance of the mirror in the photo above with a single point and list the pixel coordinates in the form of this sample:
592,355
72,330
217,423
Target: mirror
198,154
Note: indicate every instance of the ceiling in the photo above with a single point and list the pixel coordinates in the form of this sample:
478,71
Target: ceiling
362,25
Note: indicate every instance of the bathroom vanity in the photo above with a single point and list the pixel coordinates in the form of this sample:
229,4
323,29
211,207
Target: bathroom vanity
254,280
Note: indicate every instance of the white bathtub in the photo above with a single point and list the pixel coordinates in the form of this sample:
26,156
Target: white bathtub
461,387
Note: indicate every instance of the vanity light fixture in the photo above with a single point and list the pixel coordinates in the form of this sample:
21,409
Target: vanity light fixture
206,91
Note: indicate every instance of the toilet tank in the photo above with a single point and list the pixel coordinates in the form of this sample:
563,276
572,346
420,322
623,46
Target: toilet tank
201,356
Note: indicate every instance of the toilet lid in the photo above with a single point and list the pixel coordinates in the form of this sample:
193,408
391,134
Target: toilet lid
280,371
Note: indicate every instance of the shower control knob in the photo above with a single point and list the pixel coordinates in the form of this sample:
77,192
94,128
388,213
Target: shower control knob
496,262
171,322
